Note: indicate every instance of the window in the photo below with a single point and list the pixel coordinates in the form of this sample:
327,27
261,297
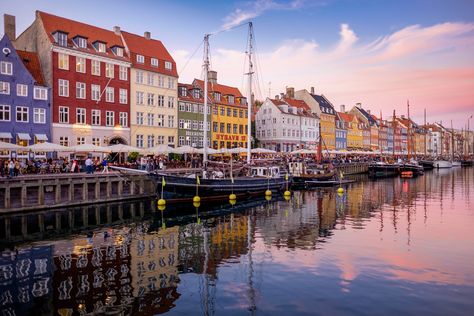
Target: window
123,117
229,112
235,128
161,81
4,113
241,129
181,124
80,64
231,99
214,127
123,97
201,125
181,141
150,117
63,114
139,77
170,83
63,61
161,100
118,51
161,140
196,93
95,67
222,128
171,102
109,70
161,120
168,65
222,111
195,125
39,116
81,42
217,96
150,141
80,90
63,140
95,92
182,106
63,88
40,93
61,39
80,116
22,114
139,95
140,59
109,94
96,141
139,141
4,87
229,127
151,79
235,112
171,121
150,99
154,62
246,114
80,140
21,90
95,117
109,118
123,73
170,139
139,118
100,47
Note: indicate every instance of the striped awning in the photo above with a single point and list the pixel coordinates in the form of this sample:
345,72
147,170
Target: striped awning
6,135
41,137
23,136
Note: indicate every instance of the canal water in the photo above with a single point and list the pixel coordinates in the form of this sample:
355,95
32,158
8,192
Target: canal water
385,247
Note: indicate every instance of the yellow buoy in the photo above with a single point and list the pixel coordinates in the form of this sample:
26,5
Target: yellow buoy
161,202
232,202
340,194
196,204
287,197
232,197
161,207
268,197
340,190
196,199
268,193
287,193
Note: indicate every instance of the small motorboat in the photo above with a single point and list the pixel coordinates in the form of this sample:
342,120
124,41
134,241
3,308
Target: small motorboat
442,164
456,163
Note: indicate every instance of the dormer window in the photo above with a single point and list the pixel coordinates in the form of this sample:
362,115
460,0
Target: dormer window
196,93
217,96
183,91
140,59
230,99
61,38
154,62
168,65
81,42
100,46
118,51
243,101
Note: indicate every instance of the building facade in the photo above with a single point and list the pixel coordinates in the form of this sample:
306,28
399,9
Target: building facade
370,127
286,124
341,132
153,91
24,98
354,132
89,73
191,116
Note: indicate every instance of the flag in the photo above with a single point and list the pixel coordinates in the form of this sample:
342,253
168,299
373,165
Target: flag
163,182
197,180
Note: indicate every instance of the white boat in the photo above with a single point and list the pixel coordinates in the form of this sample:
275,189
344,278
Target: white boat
442,164
456,164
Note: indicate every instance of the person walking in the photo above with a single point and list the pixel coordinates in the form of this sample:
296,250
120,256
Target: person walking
88,165
105,165
11,168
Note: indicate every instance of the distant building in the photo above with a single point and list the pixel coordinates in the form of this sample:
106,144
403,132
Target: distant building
341,131
354,131
370,127
24,98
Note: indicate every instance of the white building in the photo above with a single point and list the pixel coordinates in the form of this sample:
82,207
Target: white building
286,125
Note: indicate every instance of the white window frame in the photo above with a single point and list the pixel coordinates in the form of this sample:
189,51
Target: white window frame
109,70
4,87
81,64
123,73
95,67
63,90
63,61
40,93
81,116
168,65
21,90
140,59
6,68
109,115
61,39
154,62
123,96
123,118
80,90
63,112
39,116
22,110
139,118
150,119
139,77
110,94
81,42
95,117
101,47
95,92
5,109
139,97
139,140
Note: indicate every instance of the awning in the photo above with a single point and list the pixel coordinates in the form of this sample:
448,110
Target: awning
23,136
6,135
41,137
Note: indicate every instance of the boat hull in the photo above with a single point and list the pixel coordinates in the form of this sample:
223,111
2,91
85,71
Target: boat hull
456,164
328,183
427,164
442,164
416,170
382,171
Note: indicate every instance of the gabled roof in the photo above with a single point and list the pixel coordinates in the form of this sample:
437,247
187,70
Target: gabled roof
305,109
368,116
222,89
299,104
149,48
189,95
31,62
346,117
324,103
53,23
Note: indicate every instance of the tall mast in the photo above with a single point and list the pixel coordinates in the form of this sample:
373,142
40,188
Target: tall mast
425,130
452,141
249,91
409,131
393,134
441,134
206,72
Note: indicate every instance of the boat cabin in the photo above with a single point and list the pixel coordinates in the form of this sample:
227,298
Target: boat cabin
267,172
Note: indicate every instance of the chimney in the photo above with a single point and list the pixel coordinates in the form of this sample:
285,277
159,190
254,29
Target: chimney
9,26
117,30
359,105
290,92
343,108
147,35
368,111
282,95
277,97
312,90
212,76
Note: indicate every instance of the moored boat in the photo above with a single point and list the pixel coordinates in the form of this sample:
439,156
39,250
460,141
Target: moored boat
442,164
327,183
427,164
456,163
381,170
415,169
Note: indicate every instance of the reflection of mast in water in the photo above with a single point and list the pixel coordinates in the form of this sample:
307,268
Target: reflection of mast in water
206,303
394,208
424,204
251,290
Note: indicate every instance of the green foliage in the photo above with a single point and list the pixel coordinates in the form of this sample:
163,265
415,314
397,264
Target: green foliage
132,157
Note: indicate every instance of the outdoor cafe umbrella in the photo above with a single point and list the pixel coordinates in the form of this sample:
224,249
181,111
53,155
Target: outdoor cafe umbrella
122,148
262,151
303,151
160,150
48,147
210,151
10,147
186,150
90,148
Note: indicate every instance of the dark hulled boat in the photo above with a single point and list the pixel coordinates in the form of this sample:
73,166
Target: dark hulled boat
427,164
416,169
382,170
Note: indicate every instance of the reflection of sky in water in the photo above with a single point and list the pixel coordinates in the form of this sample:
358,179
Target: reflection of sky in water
386,247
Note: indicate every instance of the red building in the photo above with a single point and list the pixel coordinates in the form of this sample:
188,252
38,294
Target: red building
90,75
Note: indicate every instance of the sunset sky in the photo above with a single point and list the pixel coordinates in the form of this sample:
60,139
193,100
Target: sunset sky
378,53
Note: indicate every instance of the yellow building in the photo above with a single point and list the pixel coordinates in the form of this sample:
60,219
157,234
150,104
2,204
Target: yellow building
153,92
229,114
355,139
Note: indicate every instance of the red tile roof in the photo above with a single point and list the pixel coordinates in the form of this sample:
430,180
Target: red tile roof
189,96
306,111
346,117
149,48
300,104
223,90
277,102
31,62
53,23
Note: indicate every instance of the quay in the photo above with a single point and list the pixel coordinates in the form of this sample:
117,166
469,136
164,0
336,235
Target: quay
353,168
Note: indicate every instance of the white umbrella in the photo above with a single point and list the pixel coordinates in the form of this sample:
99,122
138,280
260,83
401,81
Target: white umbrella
262,151
160,150
48,147
9,146
122,148
303,151
89,148
210,151
186,150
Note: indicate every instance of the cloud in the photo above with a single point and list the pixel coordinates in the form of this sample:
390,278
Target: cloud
256,8
432,66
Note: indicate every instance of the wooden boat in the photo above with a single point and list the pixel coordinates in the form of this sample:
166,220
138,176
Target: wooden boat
327,183
466,163
382,170
415,169
456,163
427,164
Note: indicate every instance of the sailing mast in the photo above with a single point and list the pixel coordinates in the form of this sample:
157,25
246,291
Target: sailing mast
425,131
409,132
452,141
393,134
249,91
206,72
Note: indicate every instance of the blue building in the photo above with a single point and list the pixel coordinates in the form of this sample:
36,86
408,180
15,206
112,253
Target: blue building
341,134
25,116
390,139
